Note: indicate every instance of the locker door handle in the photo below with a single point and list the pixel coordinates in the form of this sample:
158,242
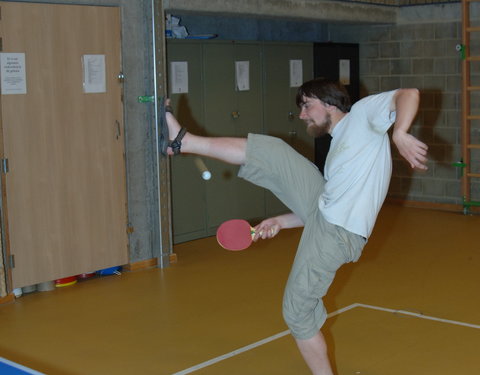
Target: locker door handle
235,114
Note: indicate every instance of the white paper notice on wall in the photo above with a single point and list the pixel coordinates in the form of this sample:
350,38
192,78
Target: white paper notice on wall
12,67
344,72
242,75
296,73
179,77
94,77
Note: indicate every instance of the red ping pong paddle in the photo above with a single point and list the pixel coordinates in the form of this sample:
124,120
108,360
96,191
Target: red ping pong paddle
235,234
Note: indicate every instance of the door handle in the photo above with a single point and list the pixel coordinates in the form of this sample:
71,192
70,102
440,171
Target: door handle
119,134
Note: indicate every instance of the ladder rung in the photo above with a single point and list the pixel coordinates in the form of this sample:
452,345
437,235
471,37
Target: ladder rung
473,88
471,117
473,58
473,175
473,146
472,1
473,28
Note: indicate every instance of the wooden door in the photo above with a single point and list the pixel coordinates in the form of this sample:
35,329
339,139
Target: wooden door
64,193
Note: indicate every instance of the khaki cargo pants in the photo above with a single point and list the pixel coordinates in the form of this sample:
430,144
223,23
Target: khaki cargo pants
323,247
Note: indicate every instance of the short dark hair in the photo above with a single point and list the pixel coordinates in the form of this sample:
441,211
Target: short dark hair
328,91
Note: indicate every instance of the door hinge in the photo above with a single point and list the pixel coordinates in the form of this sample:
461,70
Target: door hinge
4,166
11,261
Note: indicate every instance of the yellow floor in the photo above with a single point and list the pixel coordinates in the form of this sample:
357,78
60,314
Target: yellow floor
213,302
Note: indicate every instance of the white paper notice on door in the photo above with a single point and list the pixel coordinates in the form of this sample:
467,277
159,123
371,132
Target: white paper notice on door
179,77
12,71
94,80
242,75
296,73
344,71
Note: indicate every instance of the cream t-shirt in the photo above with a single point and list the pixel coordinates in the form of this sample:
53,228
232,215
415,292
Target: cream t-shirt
359,165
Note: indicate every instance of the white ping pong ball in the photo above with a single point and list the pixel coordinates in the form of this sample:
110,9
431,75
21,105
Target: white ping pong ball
206,175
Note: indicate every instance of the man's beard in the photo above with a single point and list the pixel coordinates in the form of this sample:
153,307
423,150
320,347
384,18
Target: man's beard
317,130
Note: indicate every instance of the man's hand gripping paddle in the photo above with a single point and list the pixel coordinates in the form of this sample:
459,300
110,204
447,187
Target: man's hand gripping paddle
235,234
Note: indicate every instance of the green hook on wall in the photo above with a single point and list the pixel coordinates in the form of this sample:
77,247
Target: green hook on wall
146,99
461,48
460,164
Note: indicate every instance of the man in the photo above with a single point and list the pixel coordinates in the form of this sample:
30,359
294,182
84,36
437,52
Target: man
337,211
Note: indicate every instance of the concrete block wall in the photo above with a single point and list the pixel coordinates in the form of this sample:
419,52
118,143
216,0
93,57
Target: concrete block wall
419,53
229,27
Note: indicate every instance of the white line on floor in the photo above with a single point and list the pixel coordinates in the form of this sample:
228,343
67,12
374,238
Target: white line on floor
418,315
338,312
251,346
231,354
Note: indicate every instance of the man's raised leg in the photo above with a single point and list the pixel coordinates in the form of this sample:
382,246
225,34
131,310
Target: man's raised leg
230,150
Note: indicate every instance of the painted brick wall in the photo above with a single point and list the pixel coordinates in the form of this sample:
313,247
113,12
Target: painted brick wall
419,54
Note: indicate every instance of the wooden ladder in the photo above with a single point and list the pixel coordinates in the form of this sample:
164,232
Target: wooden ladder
469,60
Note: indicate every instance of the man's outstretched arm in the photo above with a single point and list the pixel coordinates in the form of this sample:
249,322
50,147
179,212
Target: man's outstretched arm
405,103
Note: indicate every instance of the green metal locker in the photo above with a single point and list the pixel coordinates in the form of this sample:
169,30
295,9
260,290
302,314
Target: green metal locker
222,102
232,112
280,111
189,205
